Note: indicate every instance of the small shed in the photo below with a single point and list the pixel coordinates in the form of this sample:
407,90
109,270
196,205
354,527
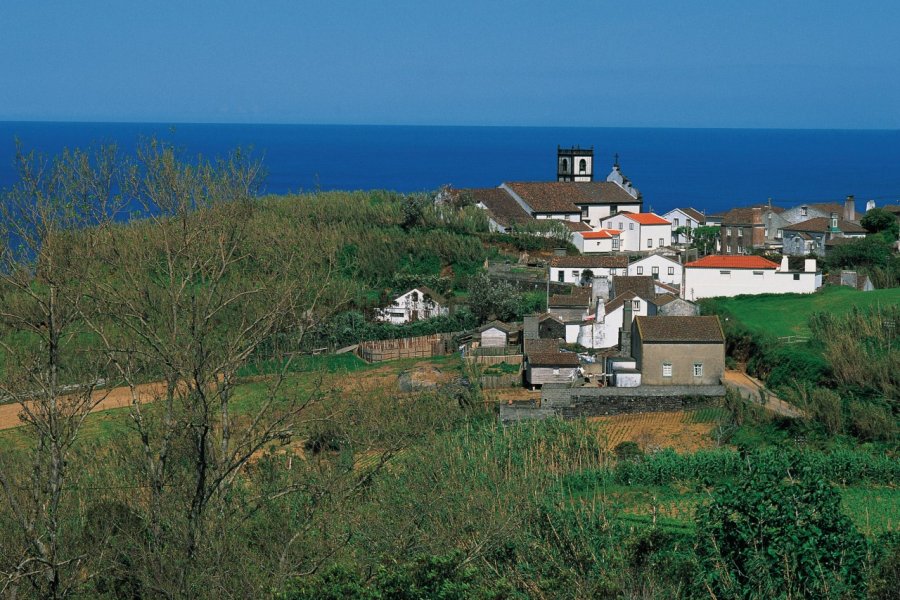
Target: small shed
494,334
551,367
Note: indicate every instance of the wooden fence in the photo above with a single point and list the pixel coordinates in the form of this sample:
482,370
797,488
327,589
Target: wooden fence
489,382
423,346
513,359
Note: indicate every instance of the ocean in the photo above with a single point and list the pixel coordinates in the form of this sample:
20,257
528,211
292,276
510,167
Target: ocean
708,169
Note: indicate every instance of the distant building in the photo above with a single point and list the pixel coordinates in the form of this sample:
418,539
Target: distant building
851,279
596,241
416,304
577,202
687,218
812,236
571,269
679,350
720,275
660,268
744,230
640,232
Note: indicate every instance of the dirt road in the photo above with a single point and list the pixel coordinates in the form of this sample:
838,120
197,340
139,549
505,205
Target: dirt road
749,387
106,399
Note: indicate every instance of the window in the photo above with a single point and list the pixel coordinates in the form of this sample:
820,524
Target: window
649,243
729,248
565,166
576,275
654,270
613,209
740,250
740,232
698,369
561,276
758,273
675,221
728,231
636,304
662,242
667,369
615,245
584,212
631,227
796,276
556,371
802,211
671,270
640,270
725,273
621,226
779,234
582,166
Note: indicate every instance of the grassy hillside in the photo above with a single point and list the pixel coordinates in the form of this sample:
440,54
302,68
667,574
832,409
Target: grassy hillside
788,314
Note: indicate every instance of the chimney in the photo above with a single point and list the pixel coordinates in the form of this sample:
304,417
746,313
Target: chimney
601,311
870,205
850,208
600,287
809,265
784,264
625,332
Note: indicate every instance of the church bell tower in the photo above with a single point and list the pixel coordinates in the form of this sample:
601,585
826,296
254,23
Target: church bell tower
574,164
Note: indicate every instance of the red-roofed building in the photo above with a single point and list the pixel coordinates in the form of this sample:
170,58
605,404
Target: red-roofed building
733,275
601,240
640,231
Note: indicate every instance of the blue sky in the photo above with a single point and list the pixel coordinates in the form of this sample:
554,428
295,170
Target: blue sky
718,63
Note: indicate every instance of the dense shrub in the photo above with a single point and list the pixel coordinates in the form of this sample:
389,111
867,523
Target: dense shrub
765,536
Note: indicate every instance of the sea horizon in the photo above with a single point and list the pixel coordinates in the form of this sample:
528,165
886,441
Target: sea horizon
710,169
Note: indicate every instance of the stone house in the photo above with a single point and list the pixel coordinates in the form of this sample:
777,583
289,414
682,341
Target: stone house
744,230
812,236
679,350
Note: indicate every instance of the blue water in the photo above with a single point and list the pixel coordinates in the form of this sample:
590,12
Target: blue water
709,169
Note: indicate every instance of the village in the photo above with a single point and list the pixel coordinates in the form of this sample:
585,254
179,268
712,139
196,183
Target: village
622,331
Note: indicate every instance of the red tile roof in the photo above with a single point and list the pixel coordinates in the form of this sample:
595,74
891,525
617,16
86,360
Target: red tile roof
717,261
601,234
648,219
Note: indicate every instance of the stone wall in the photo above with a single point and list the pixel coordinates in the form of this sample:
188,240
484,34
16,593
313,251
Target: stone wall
577,402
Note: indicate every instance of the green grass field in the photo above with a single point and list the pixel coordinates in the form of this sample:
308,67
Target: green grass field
788,314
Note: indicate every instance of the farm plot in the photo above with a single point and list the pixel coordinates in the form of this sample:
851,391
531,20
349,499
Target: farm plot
683,431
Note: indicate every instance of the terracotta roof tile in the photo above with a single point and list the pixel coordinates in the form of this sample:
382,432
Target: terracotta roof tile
601,234
578,298
647,219
718,261
541,346
822,224
680,329
502,207
642,285
554,359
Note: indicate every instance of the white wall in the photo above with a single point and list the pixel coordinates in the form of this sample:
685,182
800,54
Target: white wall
569,276
663,264
655,233
592,246
605,332
684,220
402,308
707,283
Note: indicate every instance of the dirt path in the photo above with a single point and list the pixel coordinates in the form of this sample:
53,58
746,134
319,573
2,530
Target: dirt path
749,387
119,397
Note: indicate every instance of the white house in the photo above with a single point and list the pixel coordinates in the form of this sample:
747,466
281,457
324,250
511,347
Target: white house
640,231
601,329
416,304
569,269
602,240
731,275
688,218
662,268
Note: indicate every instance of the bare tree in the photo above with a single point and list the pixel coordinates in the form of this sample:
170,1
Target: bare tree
190,297
42,270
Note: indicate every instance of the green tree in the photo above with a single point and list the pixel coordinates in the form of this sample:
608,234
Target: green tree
878,220
771,536
704,239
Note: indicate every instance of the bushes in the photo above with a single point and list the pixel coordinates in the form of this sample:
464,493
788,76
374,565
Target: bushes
765,536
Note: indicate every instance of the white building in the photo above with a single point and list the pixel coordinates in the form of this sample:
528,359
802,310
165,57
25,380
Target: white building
569,269
601,329
661,268
640,231
688,218
729,275
602,240
416,304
